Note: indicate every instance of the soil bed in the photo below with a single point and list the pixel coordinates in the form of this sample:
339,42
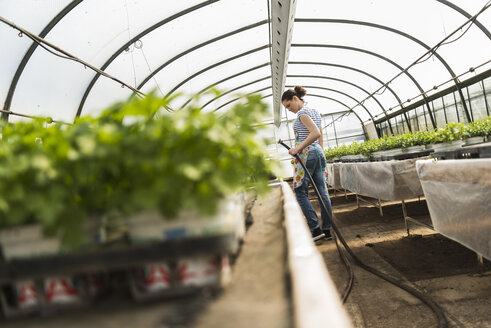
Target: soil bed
447,271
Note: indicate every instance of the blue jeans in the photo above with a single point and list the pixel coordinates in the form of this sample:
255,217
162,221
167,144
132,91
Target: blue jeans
316,166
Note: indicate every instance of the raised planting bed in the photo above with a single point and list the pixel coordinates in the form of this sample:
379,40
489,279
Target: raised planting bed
478,150
161,259
166,187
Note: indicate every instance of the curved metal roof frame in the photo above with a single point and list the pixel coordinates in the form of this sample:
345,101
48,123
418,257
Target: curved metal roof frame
153,73
30,51
466,15
75,3
224,61
307,63
55,21
319,96
376,55
305,45
311,95
289,86
249,52
238,98
328,89
133,40
393,30
223,80
234,89
364,73
338,80
146,79
449,69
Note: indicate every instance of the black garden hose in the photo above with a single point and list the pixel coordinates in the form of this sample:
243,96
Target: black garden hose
437,310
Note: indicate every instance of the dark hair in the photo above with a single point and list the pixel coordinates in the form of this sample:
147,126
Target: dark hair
297,91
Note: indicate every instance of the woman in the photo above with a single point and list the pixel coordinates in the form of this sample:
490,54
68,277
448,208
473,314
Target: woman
308,145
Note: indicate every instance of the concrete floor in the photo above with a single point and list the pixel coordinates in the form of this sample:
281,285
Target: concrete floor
453,280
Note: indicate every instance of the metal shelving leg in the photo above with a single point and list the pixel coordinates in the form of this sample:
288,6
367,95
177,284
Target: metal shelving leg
404,213
480,261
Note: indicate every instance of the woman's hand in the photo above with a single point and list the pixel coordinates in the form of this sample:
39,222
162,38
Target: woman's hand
294,150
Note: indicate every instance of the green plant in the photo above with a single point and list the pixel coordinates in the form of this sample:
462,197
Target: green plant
421,138
479,128
406,140
128,159
450,132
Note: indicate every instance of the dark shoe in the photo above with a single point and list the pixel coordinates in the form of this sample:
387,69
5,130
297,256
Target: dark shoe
317,234
327,234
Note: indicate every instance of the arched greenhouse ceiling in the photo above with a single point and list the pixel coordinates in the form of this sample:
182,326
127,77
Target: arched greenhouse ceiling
344,52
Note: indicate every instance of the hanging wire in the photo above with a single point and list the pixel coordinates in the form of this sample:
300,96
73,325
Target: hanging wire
32,117
150,68
378,92
430,55
466,30
129,38
66,55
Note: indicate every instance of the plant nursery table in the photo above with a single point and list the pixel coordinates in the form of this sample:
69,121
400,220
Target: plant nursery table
458,194
385,180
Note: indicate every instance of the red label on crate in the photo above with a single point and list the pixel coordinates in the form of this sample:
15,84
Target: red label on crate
26,294
184,273
157,274
59,289
198,271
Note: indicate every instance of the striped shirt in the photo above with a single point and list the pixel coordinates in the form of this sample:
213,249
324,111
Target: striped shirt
301,132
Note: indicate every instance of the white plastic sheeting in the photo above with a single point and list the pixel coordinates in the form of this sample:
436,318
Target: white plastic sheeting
391,180
333,178
458,194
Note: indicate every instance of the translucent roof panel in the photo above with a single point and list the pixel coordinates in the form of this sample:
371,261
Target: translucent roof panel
132,41
381,37
344,52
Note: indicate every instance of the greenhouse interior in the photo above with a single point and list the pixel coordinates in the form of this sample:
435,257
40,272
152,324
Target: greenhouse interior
232,163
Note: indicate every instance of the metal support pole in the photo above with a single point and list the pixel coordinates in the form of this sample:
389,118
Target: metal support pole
470,105
484,94
404,213
480,261
444,110
456,107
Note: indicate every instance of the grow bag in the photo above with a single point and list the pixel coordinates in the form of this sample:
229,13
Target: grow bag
458,194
